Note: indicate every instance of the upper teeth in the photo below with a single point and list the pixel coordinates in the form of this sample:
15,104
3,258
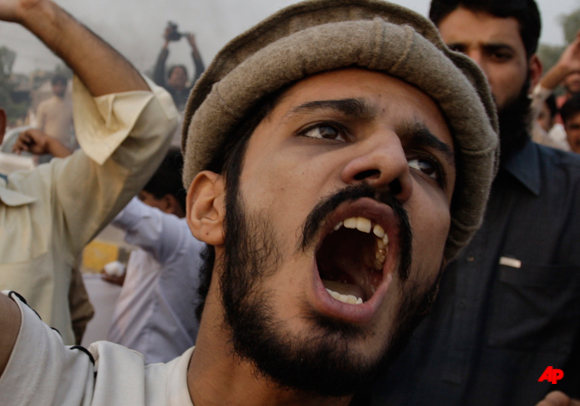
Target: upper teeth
365,225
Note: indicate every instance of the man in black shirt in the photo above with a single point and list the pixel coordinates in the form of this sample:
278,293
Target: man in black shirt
509,305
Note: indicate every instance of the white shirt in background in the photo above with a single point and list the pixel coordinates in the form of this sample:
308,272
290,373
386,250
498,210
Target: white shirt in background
155,313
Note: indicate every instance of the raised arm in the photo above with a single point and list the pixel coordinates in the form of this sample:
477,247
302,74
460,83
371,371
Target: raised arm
197,61
568,63
156,232
159,71
102,69
123,125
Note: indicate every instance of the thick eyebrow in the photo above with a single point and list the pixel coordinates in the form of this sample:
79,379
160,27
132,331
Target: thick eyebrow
488,47
416,134
497,46
353,108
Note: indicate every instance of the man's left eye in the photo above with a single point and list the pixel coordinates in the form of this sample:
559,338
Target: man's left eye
425,166
325,131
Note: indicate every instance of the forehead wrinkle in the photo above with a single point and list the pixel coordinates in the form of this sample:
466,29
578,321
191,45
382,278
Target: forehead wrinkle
417,133
355,108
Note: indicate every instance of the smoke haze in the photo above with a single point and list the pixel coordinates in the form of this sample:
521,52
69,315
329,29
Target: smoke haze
135,27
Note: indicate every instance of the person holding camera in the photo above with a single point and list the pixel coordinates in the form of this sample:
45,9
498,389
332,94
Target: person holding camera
175,81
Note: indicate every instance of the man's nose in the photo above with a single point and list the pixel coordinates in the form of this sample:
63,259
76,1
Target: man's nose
477,56
381,165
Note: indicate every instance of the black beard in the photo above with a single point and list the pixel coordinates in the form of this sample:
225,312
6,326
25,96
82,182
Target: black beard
514,119
321,363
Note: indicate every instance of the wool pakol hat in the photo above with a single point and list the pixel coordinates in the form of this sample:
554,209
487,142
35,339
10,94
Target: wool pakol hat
315,36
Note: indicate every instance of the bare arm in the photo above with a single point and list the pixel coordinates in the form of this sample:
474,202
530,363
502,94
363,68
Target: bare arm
86,54
159,71
197,61
9,326
568,63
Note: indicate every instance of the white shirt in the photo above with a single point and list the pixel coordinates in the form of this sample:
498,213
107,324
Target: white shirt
155,313
554,138
48,214
43,372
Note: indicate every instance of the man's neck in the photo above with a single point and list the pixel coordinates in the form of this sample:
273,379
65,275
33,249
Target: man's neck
216,376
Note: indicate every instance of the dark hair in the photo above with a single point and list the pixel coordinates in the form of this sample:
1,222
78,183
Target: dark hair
525,11
167,179
58,79
552,106
172,68
570,108
229,163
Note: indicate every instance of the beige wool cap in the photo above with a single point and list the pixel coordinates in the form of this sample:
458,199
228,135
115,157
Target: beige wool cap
315,36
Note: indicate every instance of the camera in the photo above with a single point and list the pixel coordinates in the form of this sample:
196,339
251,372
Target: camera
172,32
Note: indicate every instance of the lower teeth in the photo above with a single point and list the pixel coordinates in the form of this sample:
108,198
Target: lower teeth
350,299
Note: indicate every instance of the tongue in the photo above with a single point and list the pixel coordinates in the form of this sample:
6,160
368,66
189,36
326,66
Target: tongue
344,288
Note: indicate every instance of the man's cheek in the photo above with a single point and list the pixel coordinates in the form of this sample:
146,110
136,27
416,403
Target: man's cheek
430,234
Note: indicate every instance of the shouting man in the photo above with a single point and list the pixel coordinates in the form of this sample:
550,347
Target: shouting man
337,155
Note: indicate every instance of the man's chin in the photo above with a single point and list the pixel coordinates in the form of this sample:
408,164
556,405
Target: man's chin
329,359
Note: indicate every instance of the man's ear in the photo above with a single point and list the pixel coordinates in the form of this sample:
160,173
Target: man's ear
206,207
2,124
536,68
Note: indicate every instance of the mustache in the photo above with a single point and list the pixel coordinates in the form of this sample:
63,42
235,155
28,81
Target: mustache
323,209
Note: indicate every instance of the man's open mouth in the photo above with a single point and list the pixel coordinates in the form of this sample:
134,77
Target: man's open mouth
351,259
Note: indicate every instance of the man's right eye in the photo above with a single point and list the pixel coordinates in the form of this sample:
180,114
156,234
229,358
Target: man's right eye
328,131
502,56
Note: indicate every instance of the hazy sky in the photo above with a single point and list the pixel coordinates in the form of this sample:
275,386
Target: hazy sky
135,27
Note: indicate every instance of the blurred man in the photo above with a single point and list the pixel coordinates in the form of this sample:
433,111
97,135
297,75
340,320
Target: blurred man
548,113
571,84
567,65
570,113
176,80
322,159
49,214
55,116
543,120
508,305
153,314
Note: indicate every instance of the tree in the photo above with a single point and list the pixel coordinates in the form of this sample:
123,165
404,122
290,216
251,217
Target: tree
570,24
7,58
63,70
13,110
549,55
